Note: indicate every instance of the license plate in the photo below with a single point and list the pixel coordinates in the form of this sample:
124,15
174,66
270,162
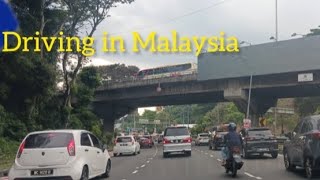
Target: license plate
236,156
42,172
123,144
263,149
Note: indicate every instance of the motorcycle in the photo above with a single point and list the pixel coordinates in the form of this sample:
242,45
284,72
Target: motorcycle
234,162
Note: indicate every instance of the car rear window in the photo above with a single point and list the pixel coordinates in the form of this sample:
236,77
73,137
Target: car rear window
204,135
179,131
124,139
48,140
259,133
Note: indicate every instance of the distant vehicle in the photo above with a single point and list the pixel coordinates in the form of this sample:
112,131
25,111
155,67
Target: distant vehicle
176,139
126,145
145,142
302,149
216,139
61,154
150,139
259,141
202,138
167,71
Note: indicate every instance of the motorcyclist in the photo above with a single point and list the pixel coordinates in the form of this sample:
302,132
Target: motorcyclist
232,139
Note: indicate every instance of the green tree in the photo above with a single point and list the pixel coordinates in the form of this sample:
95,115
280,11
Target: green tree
150,115
117,72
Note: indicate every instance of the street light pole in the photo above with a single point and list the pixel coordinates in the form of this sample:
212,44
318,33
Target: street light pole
276,20
249,98
134,121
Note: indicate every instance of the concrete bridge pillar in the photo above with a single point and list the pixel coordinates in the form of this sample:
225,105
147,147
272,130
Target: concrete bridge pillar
109,112
259,105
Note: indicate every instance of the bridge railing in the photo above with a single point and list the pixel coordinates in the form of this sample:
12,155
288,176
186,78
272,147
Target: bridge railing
130,82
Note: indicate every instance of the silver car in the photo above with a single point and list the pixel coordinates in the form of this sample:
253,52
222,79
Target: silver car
176,139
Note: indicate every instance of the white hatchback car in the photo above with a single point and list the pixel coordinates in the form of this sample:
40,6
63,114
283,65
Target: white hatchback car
126,145
60,154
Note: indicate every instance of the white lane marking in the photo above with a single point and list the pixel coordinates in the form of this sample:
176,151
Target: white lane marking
123,179
134,171
248,174
148,161
143,165
219,160
205,153
211,155
156,152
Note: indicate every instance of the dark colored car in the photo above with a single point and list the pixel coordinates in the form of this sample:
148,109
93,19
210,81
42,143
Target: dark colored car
303,147
216,139
145,142
259,141
150,138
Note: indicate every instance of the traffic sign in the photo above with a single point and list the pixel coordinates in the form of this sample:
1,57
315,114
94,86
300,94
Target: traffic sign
157,122
8,20
263,122
246,123
143,121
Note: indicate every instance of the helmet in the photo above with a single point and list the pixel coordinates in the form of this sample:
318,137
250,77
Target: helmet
232,126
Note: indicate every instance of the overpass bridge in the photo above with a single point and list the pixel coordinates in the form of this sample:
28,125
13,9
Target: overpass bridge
279,70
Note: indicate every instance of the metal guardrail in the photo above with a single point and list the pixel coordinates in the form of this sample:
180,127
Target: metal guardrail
140,82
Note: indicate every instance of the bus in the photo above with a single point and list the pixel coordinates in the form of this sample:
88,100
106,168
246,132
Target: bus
167,71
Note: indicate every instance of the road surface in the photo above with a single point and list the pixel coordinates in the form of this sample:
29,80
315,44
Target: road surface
204,164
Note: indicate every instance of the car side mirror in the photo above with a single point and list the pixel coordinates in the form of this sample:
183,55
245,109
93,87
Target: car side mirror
105,147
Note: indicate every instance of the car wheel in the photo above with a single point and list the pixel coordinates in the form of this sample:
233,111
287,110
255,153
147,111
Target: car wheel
108,169
287,163
188,153
215,147
85,173
274,155
115,154
308,168
245,153
165,155
210,147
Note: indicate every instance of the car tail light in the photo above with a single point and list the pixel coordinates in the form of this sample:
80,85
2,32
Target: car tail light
71,148
20,149
166,141
316,135
187,140
249,138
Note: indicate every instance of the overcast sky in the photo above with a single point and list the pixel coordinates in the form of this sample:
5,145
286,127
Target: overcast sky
249,20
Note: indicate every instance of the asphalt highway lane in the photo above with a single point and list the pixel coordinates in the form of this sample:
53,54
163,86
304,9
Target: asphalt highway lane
204,164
